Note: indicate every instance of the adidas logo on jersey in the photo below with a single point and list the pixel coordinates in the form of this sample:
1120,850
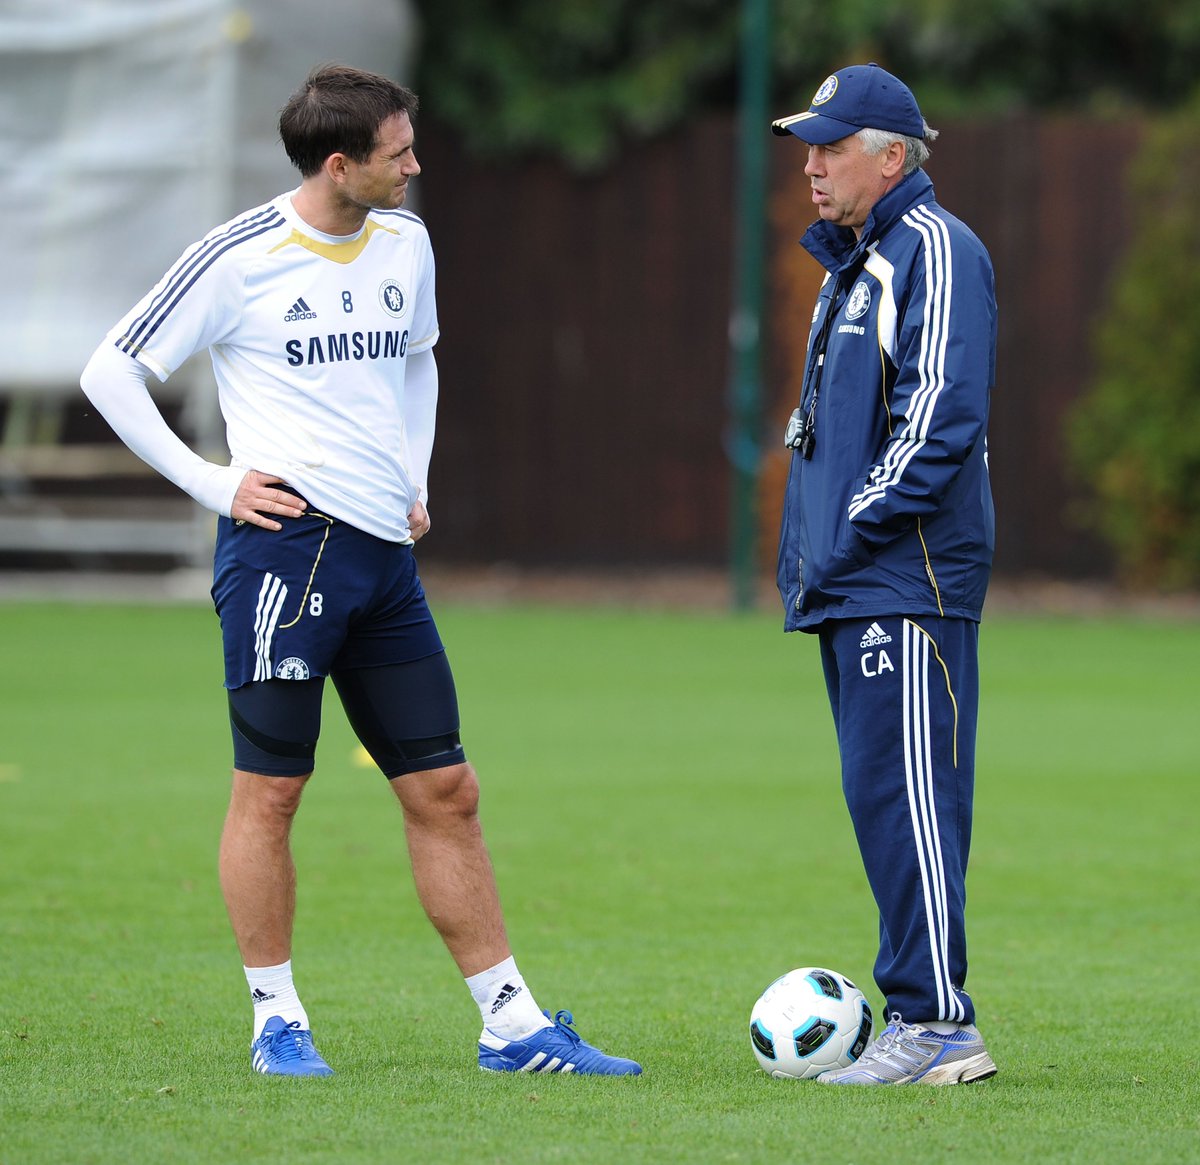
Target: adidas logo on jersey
299,311
875,636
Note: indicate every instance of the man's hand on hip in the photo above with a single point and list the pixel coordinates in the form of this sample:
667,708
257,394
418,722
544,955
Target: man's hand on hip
256,498
418,521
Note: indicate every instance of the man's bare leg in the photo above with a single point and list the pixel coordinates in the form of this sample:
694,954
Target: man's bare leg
451,866
258,876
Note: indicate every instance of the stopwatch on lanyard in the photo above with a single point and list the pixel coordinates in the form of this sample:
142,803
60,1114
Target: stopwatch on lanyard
802,425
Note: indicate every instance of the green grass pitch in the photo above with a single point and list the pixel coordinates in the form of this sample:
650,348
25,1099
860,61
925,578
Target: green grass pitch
662,804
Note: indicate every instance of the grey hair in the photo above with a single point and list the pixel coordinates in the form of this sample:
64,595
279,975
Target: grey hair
916,150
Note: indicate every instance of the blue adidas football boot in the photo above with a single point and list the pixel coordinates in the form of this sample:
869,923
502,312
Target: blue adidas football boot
286,1049
551,1049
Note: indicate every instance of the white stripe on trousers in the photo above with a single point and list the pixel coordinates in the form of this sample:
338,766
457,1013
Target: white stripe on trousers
271,598
918,771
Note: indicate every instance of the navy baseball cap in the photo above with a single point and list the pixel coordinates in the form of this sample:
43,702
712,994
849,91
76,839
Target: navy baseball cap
854,98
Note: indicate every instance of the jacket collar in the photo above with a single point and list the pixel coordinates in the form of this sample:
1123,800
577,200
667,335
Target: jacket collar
836,248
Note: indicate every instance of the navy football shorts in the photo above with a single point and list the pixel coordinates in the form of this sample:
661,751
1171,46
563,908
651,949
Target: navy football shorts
315,597
322,598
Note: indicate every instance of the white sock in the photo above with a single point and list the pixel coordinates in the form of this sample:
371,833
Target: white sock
273,993
505,1003
943,1027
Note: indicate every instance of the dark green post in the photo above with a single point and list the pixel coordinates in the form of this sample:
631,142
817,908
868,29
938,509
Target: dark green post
745,323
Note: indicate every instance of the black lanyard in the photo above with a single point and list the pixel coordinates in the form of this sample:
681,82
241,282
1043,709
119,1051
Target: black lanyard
801,433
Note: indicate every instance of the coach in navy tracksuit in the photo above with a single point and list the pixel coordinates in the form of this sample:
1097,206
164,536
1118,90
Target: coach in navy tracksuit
887,542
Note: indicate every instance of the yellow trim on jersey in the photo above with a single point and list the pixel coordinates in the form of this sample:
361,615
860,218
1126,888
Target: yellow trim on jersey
337,252
946,672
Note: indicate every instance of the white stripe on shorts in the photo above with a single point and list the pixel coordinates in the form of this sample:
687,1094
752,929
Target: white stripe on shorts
271,598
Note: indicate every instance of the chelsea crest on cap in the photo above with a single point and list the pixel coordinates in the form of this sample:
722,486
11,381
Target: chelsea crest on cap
856,97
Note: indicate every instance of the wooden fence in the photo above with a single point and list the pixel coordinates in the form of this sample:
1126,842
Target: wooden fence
585,359
584,350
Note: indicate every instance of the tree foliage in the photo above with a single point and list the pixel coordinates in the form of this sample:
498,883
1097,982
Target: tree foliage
579,78
1135,436
570,77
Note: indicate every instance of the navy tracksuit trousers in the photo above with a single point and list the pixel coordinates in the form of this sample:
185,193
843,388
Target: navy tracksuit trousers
905,693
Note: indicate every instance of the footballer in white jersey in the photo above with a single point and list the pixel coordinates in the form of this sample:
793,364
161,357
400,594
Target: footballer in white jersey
309,336
318,311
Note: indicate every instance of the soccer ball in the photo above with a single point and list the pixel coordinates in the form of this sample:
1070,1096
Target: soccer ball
807,1022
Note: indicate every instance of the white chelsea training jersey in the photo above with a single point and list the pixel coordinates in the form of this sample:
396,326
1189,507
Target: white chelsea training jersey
309,336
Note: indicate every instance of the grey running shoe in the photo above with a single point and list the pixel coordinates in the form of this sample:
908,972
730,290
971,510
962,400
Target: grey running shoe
907,1053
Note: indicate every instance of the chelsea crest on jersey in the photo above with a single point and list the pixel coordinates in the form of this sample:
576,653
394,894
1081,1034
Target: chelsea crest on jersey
309,337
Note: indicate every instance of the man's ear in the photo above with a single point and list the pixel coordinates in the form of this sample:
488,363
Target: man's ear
893,159
335,167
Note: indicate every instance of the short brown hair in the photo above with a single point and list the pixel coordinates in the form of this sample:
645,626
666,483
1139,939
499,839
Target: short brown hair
339,110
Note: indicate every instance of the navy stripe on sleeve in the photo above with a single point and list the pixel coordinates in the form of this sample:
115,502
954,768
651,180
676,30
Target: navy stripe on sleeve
188,270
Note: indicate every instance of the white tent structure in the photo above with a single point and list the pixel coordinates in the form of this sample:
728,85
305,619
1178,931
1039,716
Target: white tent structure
129,128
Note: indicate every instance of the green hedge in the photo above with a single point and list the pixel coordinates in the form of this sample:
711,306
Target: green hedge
1134,437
